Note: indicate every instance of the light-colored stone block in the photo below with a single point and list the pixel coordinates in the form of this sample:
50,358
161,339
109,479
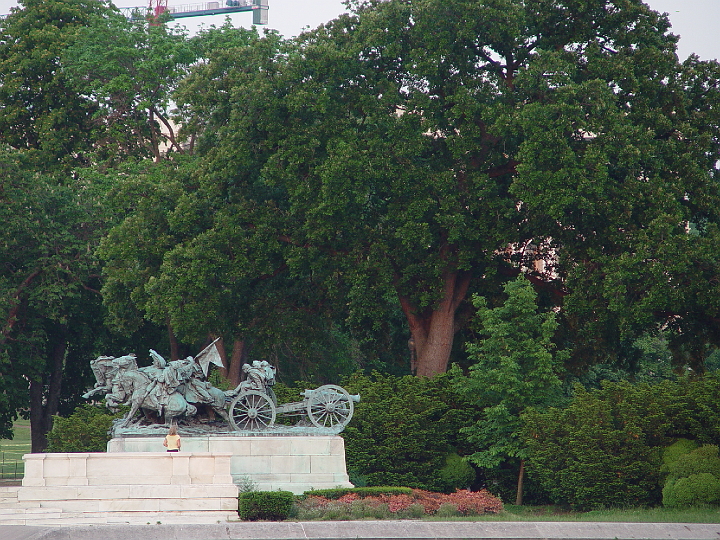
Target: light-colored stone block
251,465
103,492
313,478
271,446
288,465
190,505
46,493
130,505
312,446
75,505
209,491
326,464
261,459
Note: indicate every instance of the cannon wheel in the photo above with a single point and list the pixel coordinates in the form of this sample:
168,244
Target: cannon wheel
252,410
330,406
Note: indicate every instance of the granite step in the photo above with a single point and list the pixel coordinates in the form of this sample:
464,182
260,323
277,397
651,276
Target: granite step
116,518
10,506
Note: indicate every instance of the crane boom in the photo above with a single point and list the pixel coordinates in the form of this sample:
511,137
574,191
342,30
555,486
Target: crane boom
156,8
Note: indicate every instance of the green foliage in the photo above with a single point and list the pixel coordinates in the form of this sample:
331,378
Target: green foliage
456,473
42,112
701,460
604,449
676,450
51,318
403,429
398,158
85,430
265,505
374,491
699,418
128,69
515,367
612,447
693,490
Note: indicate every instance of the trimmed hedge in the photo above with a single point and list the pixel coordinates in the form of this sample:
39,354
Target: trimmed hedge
403,430
265,505
617,446
604,449
362,492
693,478
694,490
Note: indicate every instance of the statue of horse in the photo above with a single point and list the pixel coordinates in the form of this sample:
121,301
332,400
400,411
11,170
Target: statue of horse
206,395
135,388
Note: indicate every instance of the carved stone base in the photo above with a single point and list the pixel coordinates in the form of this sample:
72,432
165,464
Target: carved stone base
267,463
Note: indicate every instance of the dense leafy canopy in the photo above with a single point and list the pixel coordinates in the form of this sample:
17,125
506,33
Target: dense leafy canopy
128,69
48,282
39,108
411,162
317,201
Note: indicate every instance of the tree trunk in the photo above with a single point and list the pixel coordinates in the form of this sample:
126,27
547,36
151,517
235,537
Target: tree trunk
15,304
174,345
45,396
223,355
236,361
521,479
433,330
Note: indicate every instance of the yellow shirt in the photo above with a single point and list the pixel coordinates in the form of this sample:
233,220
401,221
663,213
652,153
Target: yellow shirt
173,442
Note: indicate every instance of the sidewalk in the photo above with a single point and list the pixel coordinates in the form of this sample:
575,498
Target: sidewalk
370,530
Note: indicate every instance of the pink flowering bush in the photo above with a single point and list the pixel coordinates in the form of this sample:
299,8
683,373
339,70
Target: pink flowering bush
399,506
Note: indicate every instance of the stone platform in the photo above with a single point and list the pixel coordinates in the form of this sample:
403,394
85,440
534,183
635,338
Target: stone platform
267,462
151,485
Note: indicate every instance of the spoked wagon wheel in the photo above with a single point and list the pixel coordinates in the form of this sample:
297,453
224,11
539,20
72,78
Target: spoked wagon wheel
252,410
330,406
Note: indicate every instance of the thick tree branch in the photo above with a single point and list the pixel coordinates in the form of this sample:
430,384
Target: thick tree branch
15,303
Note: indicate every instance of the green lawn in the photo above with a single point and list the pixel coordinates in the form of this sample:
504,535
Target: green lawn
12,451
639,515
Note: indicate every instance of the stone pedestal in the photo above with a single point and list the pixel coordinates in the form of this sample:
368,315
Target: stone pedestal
291,463
175,483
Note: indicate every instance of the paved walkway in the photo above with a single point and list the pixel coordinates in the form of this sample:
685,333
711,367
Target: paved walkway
370,530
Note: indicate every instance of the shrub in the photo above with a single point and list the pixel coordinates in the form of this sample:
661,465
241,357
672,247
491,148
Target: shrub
337,493
604,449
693,478
701,460
403,429
85,430
457,473
693,490
398,506
677,449
265,505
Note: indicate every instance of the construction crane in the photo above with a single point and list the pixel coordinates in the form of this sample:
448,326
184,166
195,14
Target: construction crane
156,8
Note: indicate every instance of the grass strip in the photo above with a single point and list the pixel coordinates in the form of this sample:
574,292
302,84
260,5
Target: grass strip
632,515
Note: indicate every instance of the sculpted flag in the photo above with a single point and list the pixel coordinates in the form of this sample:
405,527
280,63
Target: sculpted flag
209,355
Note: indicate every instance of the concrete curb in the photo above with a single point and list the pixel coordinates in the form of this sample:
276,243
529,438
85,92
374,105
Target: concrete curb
371,530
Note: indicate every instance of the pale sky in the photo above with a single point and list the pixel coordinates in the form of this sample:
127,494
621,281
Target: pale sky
696,21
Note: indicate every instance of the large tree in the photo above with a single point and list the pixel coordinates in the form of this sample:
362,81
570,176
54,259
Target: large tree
127,69
40,110
427,148
49,281
187,252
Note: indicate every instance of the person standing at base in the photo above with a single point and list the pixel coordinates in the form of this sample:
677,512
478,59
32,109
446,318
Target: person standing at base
172,440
